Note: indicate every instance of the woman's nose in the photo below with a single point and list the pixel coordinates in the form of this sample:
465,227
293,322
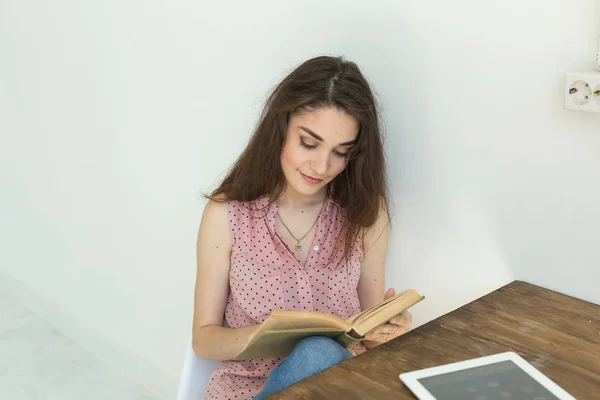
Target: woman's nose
321,164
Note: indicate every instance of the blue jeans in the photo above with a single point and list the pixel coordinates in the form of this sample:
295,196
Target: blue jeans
310,356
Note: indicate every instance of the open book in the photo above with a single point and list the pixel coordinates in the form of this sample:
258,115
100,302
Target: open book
280,332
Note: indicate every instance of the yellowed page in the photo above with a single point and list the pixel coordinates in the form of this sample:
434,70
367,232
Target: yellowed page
291,319
381,313
369,311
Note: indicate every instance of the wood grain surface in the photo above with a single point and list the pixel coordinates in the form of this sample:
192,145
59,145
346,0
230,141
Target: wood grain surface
558,334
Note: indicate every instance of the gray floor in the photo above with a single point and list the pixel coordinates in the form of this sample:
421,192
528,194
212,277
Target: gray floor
38,362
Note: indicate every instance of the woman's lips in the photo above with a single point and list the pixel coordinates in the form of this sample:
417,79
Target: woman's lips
310,180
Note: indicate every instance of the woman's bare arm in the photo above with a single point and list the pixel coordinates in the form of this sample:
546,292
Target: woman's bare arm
210,340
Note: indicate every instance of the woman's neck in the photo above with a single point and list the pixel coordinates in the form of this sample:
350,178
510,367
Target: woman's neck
294,200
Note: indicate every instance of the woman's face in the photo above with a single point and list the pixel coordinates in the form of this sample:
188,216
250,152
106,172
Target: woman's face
316,144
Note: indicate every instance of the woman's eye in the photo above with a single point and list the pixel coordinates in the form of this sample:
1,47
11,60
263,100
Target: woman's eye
308,146
313,146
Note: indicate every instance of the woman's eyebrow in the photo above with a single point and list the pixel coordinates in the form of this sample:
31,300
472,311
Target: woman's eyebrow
320,139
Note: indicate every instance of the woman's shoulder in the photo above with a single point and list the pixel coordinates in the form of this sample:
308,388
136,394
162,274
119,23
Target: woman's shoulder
213,230
216,210
223,205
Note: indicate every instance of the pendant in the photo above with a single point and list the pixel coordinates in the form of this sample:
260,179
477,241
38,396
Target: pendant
298,247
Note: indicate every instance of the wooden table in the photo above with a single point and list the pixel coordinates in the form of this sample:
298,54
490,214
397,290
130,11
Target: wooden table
558,334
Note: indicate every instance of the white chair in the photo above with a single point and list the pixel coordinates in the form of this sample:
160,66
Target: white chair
195,376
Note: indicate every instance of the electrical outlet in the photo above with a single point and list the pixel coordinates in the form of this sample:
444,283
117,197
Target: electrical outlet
582,91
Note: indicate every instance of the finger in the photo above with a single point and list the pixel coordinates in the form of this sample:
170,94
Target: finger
400,329
387,332
397,326
377,336
390,293
382,331
403,319
380,338
388,329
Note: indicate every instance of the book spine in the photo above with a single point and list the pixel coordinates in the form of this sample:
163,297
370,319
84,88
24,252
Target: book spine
346,340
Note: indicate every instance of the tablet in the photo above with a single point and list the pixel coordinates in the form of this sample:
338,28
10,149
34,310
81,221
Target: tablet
504,376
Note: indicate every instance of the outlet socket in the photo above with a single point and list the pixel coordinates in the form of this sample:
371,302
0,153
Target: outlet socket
582,91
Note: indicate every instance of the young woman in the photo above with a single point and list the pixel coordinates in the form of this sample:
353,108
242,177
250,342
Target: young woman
299,223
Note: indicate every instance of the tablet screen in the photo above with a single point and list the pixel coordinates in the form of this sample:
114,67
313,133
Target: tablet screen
503,381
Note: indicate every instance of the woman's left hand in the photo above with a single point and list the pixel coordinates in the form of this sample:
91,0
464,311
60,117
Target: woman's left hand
395,327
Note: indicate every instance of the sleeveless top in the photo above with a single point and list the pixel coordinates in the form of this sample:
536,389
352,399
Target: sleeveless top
265,275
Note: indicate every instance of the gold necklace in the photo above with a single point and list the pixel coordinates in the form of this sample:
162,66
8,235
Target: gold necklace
298,246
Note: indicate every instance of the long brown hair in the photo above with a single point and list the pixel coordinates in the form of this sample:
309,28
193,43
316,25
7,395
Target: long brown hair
361,189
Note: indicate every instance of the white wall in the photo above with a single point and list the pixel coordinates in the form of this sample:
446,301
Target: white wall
114,114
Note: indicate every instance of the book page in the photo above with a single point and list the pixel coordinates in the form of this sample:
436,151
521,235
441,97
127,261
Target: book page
381,313
280,320
371,310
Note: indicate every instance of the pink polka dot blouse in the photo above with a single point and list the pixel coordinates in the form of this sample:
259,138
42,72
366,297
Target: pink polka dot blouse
265,276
